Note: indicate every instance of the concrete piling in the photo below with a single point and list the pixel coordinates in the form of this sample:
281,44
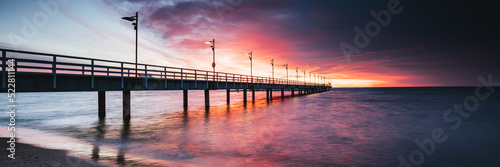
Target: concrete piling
126,104
185,98
207,98
101,97
228,95
253,95
282,94
245,96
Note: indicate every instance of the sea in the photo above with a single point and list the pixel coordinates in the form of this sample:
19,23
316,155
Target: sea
359,127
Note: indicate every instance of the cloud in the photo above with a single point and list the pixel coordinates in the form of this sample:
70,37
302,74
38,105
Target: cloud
412,50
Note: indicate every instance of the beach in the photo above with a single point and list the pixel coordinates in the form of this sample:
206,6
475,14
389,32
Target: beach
29,155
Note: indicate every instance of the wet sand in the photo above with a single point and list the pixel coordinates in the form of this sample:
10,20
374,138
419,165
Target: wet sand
29,155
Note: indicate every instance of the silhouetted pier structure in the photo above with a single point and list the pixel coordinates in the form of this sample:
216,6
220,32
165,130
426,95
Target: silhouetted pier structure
43,72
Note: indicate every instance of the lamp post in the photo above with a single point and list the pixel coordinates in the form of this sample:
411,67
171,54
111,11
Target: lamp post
310,79
251,62
304,76
212,43
272,64
135,24
286,67
314,79
297,71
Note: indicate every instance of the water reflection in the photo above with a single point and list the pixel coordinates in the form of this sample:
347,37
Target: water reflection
125,133
101,130
239,133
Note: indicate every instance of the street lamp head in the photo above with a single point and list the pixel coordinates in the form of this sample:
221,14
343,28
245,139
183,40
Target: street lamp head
131,18
272,61
210,43
249,55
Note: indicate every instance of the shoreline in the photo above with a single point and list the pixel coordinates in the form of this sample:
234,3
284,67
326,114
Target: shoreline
30,155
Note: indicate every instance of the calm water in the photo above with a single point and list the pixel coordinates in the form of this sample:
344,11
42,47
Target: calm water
343,127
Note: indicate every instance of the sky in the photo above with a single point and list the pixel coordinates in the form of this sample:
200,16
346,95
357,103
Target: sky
354,43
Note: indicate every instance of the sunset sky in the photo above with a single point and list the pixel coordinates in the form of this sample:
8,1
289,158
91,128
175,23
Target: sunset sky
428,43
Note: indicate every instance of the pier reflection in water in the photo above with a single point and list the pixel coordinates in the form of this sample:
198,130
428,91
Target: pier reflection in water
349,127
191,134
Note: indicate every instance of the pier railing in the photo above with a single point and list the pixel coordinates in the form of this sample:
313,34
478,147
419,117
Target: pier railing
55,64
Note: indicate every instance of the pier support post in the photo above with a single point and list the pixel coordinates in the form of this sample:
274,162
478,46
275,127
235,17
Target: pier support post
245,96
126,104
271,94
228,95
101,97
267,95
253,95
207,98
293,92
185,98
282,94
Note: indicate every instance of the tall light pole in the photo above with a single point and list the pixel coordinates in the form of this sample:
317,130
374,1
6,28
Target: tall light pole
286,67
212,43
251,62
272,64
297,71
314,79
135,24
310,79
304,76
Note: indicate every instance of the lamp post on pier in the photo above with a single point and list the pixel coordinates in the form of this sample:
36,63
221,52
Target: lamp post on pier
212,43
286,67
250,55
310,79
272,64
297,71
135,21
304,71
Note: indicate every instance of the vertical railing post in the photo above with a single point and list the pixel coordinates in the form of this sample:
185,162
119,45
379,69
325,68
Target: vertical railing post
241,83
247,81
146,74
54,71
4,73
195,79
83,70
206,76
226,80
234,83
182,79
107,72
92,72
257,81
165,71
121,73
